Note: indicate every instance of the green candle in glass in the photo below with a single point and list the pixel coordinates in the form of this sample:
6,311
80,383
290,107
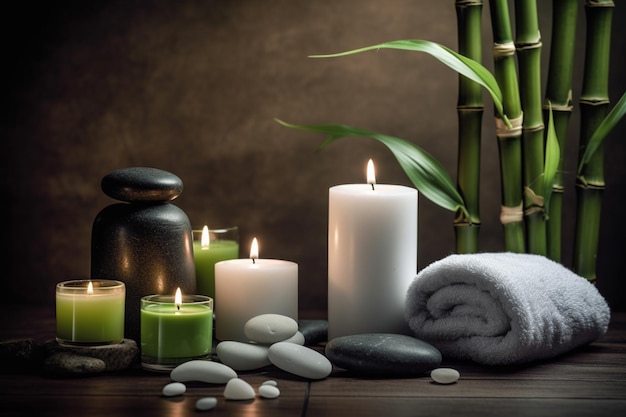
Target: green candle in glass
175,329
209,247
90,312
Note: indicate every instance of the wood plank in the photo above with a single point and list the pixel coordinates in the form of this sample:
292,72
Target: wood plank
138,393
367,406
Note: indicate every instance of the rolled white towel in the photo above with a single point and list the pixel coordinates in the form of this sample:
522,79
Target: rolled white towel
504,308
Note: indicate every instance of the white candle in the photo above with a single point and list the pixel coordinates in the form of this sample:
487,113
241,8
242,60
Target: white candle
372,256
247,288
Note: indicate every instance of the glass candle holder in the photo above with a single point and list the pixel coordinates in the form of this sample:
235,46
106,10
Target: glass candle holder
216,245
90,312
173,333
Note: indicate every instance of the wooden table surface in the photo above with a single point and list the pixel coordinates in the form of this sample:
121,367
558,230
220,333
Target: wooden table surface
590,381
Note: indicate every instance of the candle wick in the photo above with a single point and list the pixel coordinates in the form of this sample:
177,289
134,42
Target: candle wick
372,186
178,306
253,261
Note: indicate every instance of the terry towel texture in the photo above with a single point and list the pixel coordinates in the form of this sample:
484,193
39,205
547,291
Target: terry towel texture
504,308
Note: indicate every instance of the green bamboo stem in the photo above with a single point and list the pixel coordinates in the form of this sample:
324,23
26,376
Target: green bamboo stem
528,45
594,105
559,95
470,110
509,138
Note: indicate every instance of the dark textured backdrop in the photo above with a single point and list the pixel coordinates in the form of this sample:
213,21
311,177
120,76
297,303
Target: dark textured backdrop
193,87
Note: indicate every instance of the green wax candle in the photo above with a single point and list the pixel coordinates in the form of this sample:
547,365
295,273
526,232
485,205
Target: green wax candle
90,312
172,333
216,245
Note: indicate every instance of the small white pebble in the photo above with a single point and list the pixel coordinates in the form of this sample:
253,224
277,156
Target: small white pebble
270,382
445,375
238,389
268,391
203,371
206,403
174,388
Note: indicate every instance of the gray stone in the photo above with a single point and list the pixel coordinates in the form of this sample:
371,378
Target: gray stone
20,355
383,353
68,364
314,331
115,357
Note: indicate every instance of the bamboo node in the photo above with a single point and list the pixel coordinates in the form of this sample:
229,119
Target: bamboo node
503,132
583,184
593,101
535,199
532,210
528,46
511,214
599,3
536,128
503,49
468,3
567,108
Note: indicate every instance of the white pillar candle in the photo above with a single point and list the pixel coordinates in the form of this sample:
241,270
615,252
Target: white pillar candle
372,256
247,288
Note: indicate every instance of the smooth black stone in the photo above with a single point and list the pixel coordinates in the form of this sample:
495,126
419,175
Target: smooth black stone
137,184
383,353
314,331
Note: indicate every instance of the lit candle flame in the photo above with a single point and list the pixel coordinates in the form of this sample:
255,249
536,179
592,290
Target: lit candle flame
90,288
254,250
204,240
371,177
178,298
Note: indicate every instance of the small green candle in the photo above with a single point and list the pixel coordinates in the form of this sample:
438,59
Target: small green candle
90,312
210,247
175,329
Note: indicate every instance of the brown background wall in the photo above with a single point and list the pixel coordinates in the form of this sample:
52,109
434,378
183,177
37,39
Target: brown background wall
193,87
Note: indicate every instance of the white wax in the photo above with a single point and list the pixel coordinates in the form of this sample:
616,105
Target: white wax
244,290
372,257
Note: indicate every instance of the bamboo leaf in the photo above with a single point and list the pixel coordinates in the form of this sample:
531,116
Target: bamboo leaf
455,61
424,171
609,122
552,157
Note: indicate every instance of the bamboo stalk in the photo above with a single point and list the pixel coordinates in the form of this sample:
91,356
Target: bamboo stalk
559,95
470,110
509,138
528,46
594,105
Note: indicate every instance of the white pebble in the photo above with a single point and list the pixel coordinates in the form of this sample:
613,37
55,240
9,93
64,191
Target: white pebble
203,371
206,403
270,382
270,328
445,375
174,388
242,356
238,389
268,391
297,338
299,360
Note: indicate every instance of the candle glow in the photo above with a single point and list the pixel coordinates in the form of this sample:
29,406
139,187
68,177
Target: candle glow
254,249
204,240
371,176
90,288
178,298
